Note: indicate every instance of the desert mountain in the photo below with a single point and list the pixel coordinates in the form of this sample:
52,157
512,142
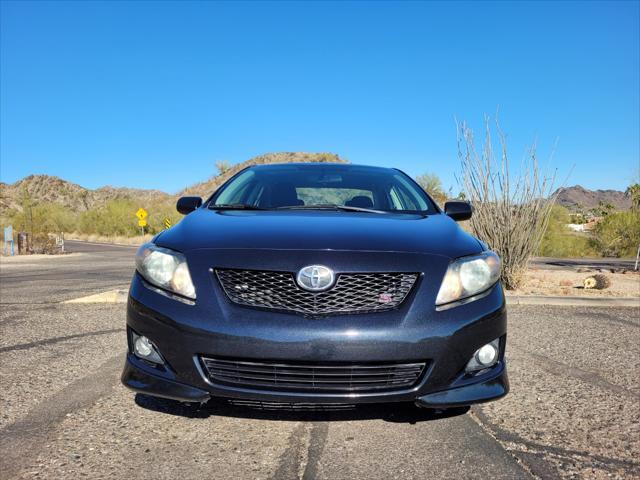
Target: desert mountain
48,189
579,198
206,188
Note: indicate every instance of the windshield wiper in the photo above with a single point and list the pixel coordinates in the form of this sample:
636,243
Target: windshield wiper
331,206
233,206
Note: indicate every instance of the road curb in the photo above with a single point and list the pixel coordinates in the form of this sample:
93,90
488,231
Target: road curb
572,301
111,296
106,244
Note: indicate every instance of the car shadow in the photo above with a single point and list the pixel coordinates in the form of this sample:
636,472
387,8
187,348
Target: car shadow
305,412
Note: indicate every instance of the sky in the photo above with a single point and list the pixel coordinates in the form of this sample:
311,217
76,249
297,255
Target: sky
151,95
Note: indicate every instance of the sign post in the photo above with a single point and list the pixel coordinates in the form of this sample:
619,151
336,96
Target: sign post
60,241
8,240
142,222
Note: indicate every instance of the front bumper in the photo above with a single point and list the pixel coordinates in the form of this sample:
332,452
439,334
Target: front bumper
141,380
445,340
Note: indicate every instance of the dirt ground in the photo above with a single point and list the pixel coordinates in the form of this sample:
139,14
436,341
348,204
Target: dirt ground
569,282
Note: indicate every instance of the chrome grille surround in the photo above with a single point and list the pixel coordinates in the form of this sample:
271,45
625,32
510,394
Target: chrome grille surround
352,293
317,378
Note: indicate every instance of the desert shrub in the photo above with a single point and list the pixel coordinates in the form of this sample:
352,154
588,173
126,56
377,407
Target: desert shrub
431,184
222,166
559,241
116,217
44,218
157,214
511,210
618,234
43,243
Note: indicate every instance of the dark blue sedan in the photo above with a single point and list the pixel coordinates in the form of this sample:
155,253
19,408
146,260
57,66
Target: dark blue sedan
321,283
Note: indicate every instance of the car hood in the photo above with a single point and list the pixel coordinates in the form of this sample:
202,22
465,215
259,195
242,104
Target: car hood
319,230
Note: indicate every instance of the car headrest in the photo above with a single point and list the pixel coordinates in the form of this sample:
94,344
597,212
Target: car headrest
284,195
359,201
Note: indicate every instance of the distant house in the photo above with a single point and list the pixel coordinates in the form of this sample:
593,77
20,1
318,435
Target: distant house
584,227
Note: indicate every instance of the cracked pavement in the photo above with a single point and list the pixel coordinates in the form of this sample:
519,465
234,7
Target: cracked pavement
573,411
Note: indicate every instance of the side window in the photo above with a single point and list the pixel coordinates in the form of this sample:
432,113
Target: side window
394,198
409,196
240,195
236,192
407,201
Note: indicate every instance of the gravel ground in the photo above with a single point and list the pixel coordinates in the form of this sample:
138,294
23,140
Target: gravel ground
116,438
574,406
150,438
573,411
568,281
39,358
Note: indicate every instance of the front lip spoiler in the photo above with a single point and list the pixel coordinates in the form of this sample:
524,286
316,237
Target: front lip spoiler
486,391
143,382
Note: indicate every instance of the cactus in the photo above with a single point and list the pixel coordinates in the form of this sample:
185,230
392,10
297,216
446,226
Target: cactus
598,282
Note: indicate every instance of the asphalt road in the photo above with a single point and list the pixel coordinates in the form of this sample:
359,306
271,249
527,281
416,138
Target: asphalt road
574,409
615,264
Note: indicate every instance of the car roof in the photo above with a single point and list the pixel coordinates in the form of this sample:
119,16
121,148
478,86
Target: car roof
321,165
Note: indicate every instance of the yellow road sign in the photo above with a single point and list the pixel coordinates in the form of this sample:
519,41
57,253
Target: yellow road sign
141,214
142,223
167,223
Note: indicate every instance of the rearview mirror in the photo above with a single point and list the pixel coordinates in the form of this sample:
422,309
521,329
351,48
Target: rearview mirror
187,205
458,210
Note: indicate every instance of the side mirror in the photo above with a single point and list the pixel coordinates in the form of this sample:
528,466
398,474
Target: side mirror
187,205
458,210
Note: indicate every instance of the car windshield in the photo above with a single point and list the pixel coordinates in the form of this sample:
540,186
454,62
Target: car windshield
344,187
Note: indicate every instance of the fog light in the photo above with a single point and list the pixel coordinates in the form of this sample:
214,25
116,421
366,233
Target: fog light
485,357
143,348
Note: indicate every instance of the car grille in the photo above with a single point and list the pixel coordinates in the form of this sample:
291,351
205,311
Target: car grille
352,293
311,377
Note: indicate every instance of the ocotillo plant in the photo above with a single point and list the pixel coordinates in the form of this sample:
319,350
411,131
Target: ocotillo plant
511,210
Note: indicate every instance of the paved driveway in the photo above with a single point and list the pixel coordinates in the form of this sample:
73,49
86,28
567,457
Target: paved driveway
574,409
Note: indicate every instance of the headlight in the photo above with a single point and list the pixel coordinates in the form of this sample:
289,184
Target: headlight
468,276
166,269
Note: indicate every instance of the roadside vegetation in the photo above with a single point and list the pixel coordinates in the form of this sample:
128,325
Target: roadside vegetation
115,218
560,241
529,223
512,207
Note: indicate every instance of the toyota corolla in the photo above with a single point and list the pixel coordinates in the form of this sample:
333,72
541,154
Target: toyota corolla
320,283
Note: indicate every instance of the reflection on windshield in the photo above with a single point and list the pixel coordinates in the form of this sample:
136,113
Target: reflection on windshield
316,187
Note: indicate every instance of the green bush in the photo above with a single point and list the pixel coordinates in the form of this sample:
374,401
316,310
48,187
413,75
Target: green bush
117,218
44,218
618,234
559,241
157,214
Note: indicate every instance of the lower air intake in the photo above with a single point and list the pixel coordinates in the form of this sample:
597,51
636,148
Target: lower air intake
318,378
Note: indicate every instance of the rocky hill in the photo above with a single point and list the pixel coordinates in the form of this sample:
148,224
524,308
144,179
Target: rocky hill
579,198
48,189
206,188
